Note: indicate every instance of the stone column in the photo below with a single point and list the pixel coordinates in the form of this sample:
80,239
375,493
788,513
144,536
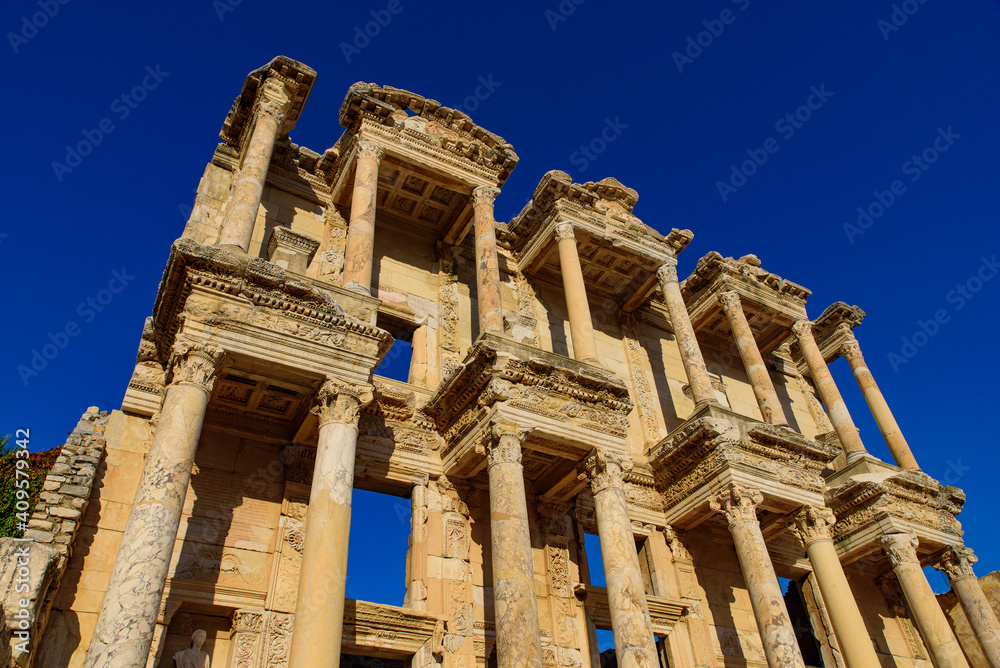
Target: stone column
319,605
957,563
487,262
760,379
880,409
515,604
812,526
828,392
581,325
691,357
272,107
126,624
739,505
359,253
630,622
927,613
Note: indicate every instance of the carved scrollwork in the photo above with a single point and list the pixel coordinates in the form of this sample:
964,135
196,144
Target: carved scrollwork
667,273
606,470
956,562
484,195
901,548
341,402
851,350
802,330
195,364
812,524
730,300
564,231
504,444
737,503
274,100
370,150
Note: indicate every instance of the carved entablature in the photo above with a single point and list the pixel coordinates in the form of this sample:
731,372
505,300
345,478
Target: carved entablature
869,505
770,303
717,447
386,627
833,331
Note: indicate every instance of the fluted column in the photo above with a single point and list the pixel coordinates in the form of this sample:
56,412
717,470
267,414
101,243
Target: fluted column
630,621
272,107
753,362
127,620
319,605
581,325
739,505
691,357
359,253
880,409
927,613
956,562
812,526
515,603
487,262
847,432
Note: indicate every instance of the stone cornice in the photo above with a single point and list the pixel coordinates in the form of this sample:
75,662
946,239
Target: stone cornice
297,79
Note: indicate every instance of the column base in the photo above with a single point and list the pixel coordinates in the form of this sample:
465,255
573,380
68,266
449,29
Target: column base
360,289
235,249
856,456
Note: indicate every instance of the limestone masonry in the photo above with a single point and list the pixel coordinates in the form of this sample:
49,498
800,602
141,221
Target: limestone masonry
564,380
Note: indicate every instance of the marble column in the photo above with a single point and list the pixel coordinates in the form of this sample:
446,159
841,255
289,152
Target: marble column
127,621
691,357
753,362
487,262
927,613
812,526
581,325
850,440
739,505
956,562
359,253
319,605
515,604
880,409
272,106
630,621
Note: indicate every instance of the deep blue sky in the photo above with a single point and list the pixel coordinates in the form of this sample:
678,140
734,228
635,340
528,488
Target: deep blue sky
553,91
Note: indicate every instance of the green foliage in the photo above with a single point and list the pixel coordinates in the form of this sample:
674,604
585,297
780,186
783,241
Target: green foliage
39,464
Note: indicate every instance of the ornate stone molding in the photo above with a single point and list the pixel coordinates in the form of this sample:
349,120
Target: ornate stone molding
274,100
667,273
606,470
802,328
901,548
812,524
504,443
195,364
369,149
737,503
730,300
484,195
341,402
564,231
956,562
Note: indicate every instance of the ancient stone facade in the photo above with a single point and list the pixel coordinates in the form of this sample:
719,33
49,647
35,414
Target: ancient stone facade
564,381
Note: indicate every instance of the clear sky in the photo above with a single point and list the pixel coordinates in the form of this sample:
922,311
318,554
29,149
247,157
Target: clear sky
841,105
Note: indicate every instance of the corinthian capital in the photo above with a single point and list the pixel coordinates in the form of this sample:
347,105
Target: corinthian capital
606,470
565,231
812,524
195,364
851,350
273,100
901,548
802,329
484,195
504,444
369,149
956,562
341,402
737,503
667,273
730,299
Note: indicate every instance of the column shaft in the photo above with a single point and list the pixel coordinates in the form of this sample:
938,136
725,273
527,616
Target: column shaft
241,216
891,432
359,252
927,613
515,603
319,606
630,621
957,563
691,357
753,362
487,262
847,432
581,324
127,621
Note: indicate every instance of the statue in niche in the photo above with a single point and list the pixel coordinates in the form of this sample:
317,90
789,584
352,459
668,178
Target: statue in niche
193,657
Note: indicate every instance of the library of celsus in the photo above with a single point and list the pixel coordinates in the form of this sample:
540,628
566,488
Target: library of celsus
564,381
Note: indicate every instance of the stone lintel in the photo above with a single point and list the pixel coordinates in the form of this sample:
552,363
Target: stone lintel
367,625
